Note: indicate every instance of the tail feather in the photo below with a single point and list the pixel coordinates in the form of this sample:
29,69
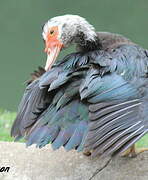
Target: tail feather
42,135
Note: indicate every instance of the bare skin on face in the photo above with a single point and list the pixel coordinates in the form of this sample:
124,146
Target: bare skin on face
52,46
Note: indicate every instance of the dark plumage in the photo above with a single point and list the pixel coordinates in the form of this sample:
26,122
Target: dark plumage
95,100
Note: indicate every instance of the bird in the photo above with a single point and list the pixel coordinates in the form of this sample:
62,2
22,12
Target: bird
94,100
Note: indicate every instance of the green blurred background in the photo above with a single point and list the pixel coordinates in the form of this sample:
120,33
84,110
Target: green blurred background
21,45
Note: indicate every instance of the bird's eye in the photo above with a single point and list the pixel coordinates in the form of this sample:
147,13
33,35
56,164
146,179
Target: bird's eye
52,32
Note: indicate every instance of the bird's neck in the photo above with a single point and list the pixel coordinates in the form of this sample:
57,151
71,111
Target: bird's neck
85,44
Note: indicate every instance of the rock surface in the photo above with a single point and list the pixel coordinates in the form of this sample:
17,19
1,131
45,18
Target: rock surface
46,164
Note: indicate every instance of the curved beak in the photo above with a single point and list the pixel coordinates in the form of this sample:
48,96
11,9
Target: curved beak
52,47
52,54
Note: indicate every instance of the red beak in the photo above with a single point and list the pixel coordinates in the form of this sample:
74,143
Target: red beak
52,48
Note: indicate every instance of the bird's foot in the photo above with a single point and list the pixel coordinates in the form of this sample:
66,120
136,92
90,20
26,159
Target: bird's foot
133,151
